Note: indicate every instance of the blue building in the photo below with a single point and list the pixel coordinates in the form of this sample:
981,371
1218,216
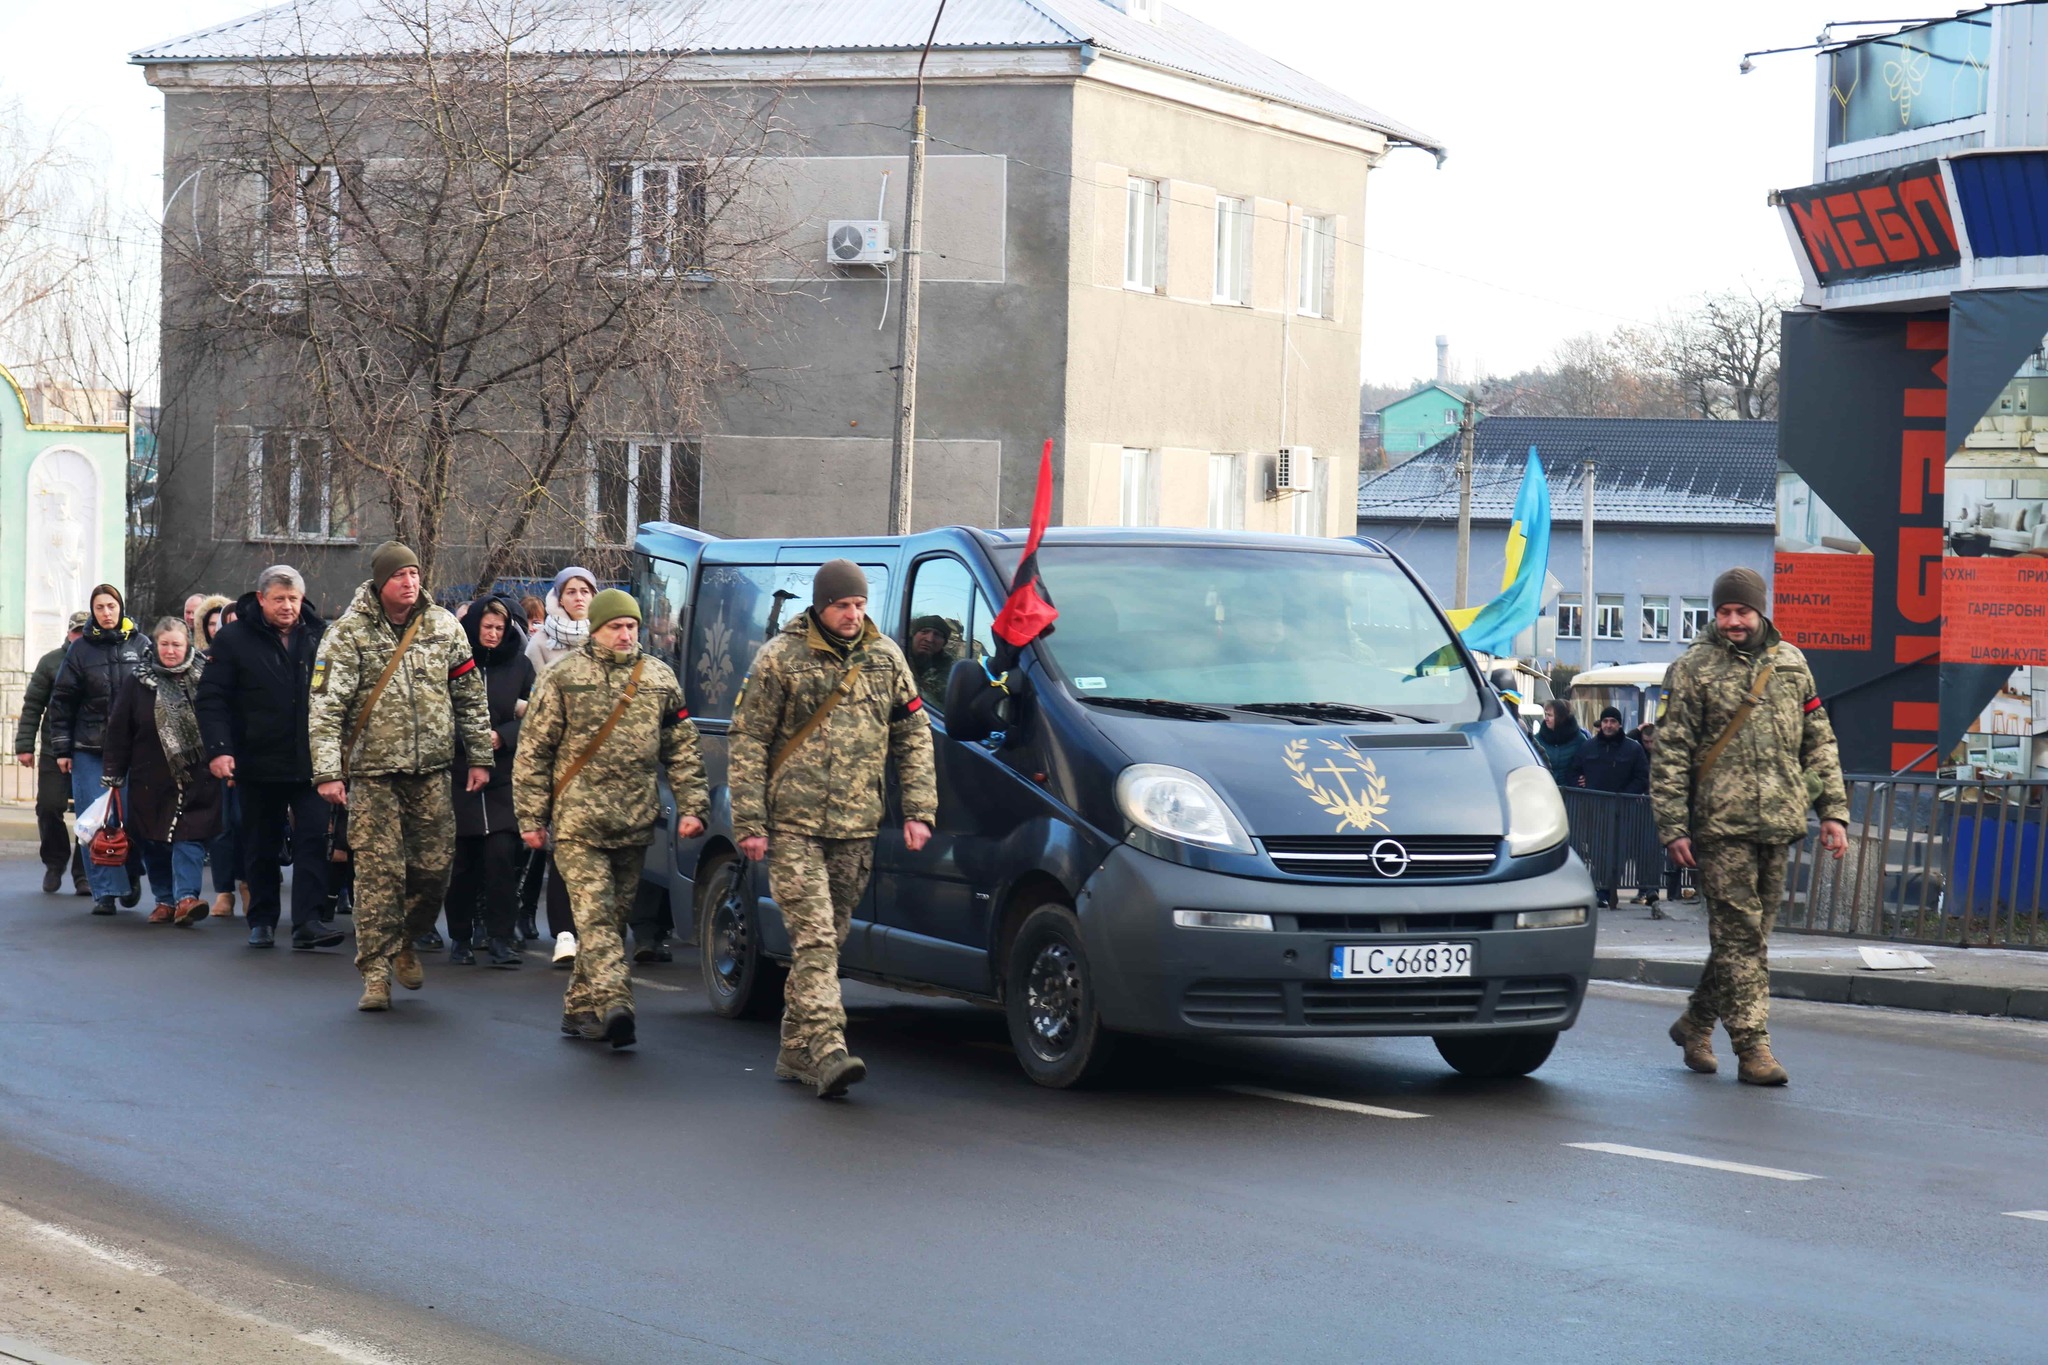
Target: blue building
1674,503
1412,424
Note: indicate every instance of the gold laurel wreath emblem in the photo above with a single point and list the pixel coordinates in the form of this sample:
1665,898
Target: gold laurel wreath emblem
1361,809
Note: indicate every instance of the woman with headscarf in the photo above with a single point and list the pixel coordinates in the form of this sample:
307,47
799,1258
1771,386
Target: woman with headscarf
101,660
1560,739
173,801
563,632
483,887
223,854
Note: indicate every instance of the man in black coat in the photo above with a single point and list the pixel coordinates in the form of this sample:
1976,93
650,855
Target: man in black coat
253,701
53,788
1613,762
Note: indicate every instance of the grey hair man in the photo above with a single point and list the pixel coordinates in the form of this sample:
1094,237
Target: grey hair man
253,707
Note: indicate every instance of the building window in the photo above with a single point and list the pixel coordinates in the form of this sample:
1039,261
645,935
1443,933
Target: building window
1656,618
1226,492
309,212
1139,504
1233,250
1607,615
1316,296
298,489
1568,616
1144,235
640,481
1308,506
654,217
1693,618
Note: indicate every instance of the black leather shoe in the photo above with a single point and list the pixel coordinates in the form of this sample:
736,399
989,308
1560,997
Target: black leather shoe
503,954
53,880
429,942
460,955
528,931
134,896
657,951
103,905
80,889
262,936
319,933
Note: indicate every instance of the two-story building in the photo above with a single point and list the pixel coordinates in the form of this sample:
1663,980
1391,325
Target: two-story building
1143,239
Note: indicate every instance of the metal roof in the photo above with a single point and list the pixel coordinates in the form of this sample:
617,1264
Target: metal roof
1177,42
1652,471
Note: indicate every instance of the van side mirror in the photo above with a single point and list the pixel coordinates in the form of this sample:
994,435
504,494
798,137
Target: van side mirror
1503,679
974,709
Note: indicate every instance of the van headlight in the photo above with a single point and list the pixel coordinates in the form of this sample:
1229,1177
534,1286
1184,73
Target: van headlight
1175,804
1536,818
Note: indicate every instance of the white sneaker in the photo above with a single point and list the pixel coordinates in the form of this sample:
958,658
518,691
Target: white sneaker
565,950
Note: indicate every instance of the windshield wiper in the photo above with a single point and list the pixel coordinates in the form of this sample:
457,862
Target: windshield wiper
1325,710
1159,706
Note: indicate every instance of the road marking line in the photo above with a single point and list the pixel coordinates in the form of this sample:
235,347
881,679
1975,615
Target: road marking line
656,985
98,1250
1346,1106
1681,1159
2038,1215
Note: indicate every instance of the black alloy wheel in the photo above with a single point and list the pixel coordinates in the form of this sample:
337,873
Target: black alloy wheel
742,983
1050,1002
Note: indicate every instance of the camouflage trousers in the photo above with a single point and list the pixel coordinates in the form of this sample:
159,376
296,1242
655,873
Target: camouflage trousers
602,884
402,830
817,883
1743,885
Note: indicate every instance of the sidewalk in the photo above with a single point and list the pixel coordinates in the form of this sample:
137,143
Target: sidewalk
1668,952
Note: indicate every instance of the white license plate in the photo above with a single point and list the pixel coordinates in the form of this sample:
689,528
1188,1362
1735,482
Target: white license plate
1401,962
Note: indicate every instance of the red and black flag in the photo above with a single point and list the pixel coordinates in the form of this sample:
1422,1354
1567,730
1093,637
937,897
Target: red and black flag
1028,612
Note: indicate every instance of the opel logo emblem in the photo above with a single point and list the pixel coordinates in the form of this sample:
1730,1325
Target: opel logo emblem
1389,859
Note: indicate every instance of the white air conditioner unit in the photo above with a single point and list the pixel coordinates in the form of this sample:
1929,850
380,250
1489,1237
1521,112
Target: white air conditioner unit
861,241
1294,470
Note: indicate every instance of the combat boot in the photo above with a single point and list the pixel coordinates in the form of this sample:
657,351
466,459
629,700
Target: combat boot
837,1071
1698,1044
406,967
794,1064
1758,1067
376,993
616,1027
581,1024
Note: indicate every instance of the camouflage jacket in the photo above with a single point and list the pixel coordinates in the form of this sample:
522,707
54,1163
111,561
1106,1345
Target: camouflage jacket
613,803
1758,788
436,688
831,787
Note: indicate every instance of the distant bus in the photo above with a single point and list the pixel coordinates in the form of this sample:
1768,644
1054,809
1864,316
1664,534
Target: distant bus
1637,690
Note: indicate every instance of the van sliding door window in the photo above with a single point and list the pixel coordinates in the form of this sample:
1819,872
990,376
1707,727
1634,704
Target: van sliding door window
949,621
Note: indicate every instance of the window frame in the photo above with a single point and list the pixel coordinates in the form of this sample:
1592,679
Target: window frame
1569,602
1603,604
1660,633
1319,276
1151,234
634,450
981,602
1234,255
298,440
1230,465
1695,615
293,243
688,219
1311,505
1147,462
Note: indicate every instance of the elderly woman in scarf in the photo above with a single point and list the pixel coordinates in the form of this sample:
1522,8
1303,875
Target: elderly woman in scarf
174,802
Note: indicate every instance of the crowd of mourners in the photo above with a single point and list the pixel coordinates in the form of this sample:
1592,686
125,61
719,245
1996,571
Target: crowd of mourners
190,738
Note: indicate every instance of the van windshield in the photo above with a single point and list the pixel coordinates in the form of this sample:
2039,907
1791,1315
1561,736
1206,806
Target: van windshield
1295,631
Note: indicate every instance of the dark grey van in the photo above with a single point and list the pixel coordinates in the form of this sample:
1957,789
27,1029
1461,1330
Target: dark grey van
1248,785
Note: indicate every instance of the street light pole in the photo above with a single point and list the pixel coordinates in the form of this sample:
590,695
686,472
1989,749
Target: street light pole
1465,502
912,255
1588,611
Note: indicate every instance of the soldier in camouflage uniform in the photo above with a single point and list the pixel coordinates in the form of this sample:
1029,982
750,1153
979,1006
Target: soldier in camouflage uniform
815,818
395,783
1736,823
605,816
935,646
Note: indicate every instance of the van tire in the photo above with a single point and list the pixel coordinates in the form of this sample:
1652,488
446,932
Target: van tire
1495,1056
1049,1001
741,981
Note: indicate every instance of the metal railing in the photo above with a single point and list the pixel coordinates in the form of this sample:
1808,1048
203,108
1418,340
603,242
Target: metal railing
1929,860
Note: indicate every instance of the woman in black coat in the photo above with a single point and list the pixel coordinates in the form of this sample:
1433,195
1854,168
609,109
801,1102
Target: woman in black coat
99,661
484,884
173,802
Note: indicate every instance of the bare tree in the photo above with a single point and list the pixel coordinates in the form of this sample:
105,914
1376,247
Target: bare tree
1723,354
473,260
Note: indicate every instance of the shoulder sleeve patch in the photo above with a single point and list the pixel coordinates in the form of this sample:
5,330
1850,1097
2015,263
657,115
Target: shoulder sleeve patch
320,674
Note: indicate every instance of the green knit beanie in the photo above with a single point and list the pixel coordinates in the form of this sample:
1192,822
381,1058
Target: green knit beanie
390,557
610,605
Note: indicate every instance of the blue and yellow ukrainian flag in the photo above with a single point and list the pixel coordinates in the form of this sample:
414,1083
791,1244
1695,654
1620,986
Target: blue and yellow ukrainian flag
1492,627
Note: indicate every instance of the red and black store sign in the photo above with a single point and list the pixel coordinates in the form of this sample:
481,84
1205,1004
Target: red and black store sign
1884,223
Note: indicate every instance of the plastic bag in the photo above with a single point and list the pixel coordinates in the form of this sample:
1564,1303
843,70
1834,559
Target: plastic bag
92,817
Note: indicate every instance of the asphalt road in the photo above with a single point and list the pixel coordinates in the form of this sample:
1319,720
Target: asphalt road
457,1162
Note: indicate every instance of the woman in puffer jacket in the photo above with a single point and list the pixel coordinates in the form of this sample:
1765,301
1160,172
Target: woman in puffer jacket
102,659
483,888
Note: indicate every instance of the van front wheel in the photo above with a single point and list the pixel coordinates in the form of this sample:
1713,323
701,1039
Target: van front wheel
742,982
1497,1055
1049,999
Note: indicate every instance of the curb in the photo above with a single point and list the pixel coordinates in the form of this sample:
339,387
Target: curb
1848,988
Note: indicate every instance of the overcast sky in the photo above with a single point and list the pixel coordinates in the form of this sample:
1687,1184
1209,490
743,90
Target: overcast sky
1607,160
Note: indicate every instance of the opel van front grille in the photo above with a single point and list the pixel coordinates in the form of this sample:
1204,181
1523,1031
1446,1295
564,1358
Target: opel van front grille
1420,857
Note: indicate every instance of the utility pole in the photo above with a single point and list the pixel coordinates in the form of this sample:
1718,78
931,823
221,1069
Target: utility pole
912,256
1587,609
1464,497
